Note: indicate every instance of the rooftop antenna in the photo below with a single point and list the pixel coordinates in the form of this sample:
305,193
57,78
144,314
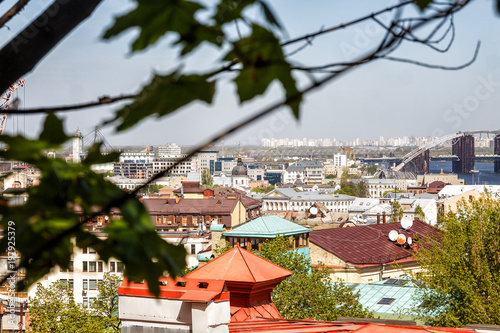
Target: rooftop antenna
393,235
406,223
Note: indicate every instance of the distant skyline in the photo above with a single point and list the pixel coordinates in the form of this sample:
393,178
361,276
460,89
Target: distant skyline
379,99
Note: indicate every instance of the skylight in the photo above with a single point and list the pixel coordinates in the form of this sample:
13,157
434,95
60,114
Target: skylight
386,301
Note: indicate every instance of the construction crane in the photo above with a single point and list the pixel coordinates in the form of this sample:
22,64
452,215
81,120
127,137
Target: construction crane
352,155
5,102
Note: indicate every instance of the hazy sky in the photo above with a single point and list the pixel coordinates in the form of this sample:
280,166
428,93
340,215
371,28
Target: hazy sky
379,99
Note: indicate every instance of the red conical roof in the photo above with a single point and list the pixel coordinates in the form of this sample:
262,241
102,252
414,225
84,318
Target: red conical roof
239,265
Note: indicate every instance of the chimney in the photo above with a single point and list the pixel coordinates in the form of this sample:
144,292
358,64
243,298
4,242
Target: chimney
182,191
378,218
383,218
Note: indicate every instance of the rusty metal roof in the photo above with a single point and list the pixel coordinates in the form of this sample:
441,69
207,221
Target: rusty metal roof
369,244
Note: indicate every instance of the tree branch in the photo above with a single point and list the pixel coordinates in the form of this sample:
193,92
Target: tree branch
102,101
26,50
12,12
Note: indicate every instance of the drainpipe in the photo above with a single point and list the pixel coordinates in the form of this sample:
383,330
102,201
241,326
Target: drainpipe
382,272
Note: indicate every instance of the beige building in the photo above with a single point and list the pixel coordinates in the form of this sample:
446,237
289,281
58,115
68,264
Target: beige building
448,178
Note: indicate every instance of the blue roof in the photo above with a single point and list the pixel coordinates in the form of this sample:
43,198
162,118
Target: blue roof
269,226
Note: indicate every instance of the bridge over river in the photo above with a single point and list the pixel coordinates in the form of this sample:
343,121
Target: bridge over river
463,156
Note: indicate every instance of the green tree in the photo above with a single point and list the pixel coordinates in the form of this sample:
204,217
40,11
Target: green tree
420,213
251,60
150,189
53,309
396,212
346,190
206,178
461,283
263,189
392,191
105,305
309,292
331,176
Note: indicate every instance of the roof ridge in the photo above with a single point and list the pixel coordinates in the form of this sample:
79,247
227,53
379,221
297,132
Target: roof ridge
246,263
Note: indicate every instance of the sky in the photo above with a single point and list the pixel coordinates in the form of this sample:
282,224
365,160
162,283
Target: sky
382,98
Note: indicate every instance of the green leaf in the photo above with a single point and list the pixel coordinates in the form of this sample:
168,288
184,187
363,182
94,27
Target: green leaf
164,95
94,155
230,10
422,4
156,18
263,62
269,15
53,130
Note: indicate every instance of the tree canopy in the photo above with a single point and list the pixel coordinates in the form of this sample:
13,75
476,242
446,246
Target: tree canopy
309,292
53,309
255,52
461,283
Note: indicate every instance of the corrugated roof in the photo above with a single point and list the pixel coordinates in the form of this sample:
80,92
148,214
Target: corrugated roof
267,227
368,244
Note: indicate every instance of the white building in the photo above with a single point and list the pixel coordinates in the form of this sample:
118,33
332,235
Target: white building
169,150
77,146
340,160
308,172
377,187
287,199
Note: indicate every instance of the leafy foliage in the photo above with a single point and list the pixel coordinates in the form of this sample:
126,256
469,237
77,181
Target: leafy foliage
164,95
348,187
206,178
263,61
462,279
105,305
53,309
309,292
263,189
49,224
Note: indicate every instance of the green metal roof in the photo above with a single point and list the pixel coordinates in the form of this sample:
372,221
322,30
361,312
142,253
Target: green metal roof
269,226
405,297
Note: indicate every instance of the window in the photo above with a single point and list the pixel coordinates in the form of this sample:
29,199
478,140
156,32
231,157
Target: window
85,269
112,266
91,250
119,267
386,301
92,284
193,249
100,265
68,283
184,221
92,266
85,302
85,284
84,250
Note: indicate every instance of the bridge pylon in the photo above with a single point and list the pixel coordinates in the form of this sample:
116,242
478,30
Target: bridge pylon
463,147
497,152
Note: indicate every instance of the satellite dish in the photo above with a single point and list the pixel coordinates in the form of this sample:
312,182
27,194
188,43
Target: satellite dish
313,210
409,240
406,222
401,239
393,235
